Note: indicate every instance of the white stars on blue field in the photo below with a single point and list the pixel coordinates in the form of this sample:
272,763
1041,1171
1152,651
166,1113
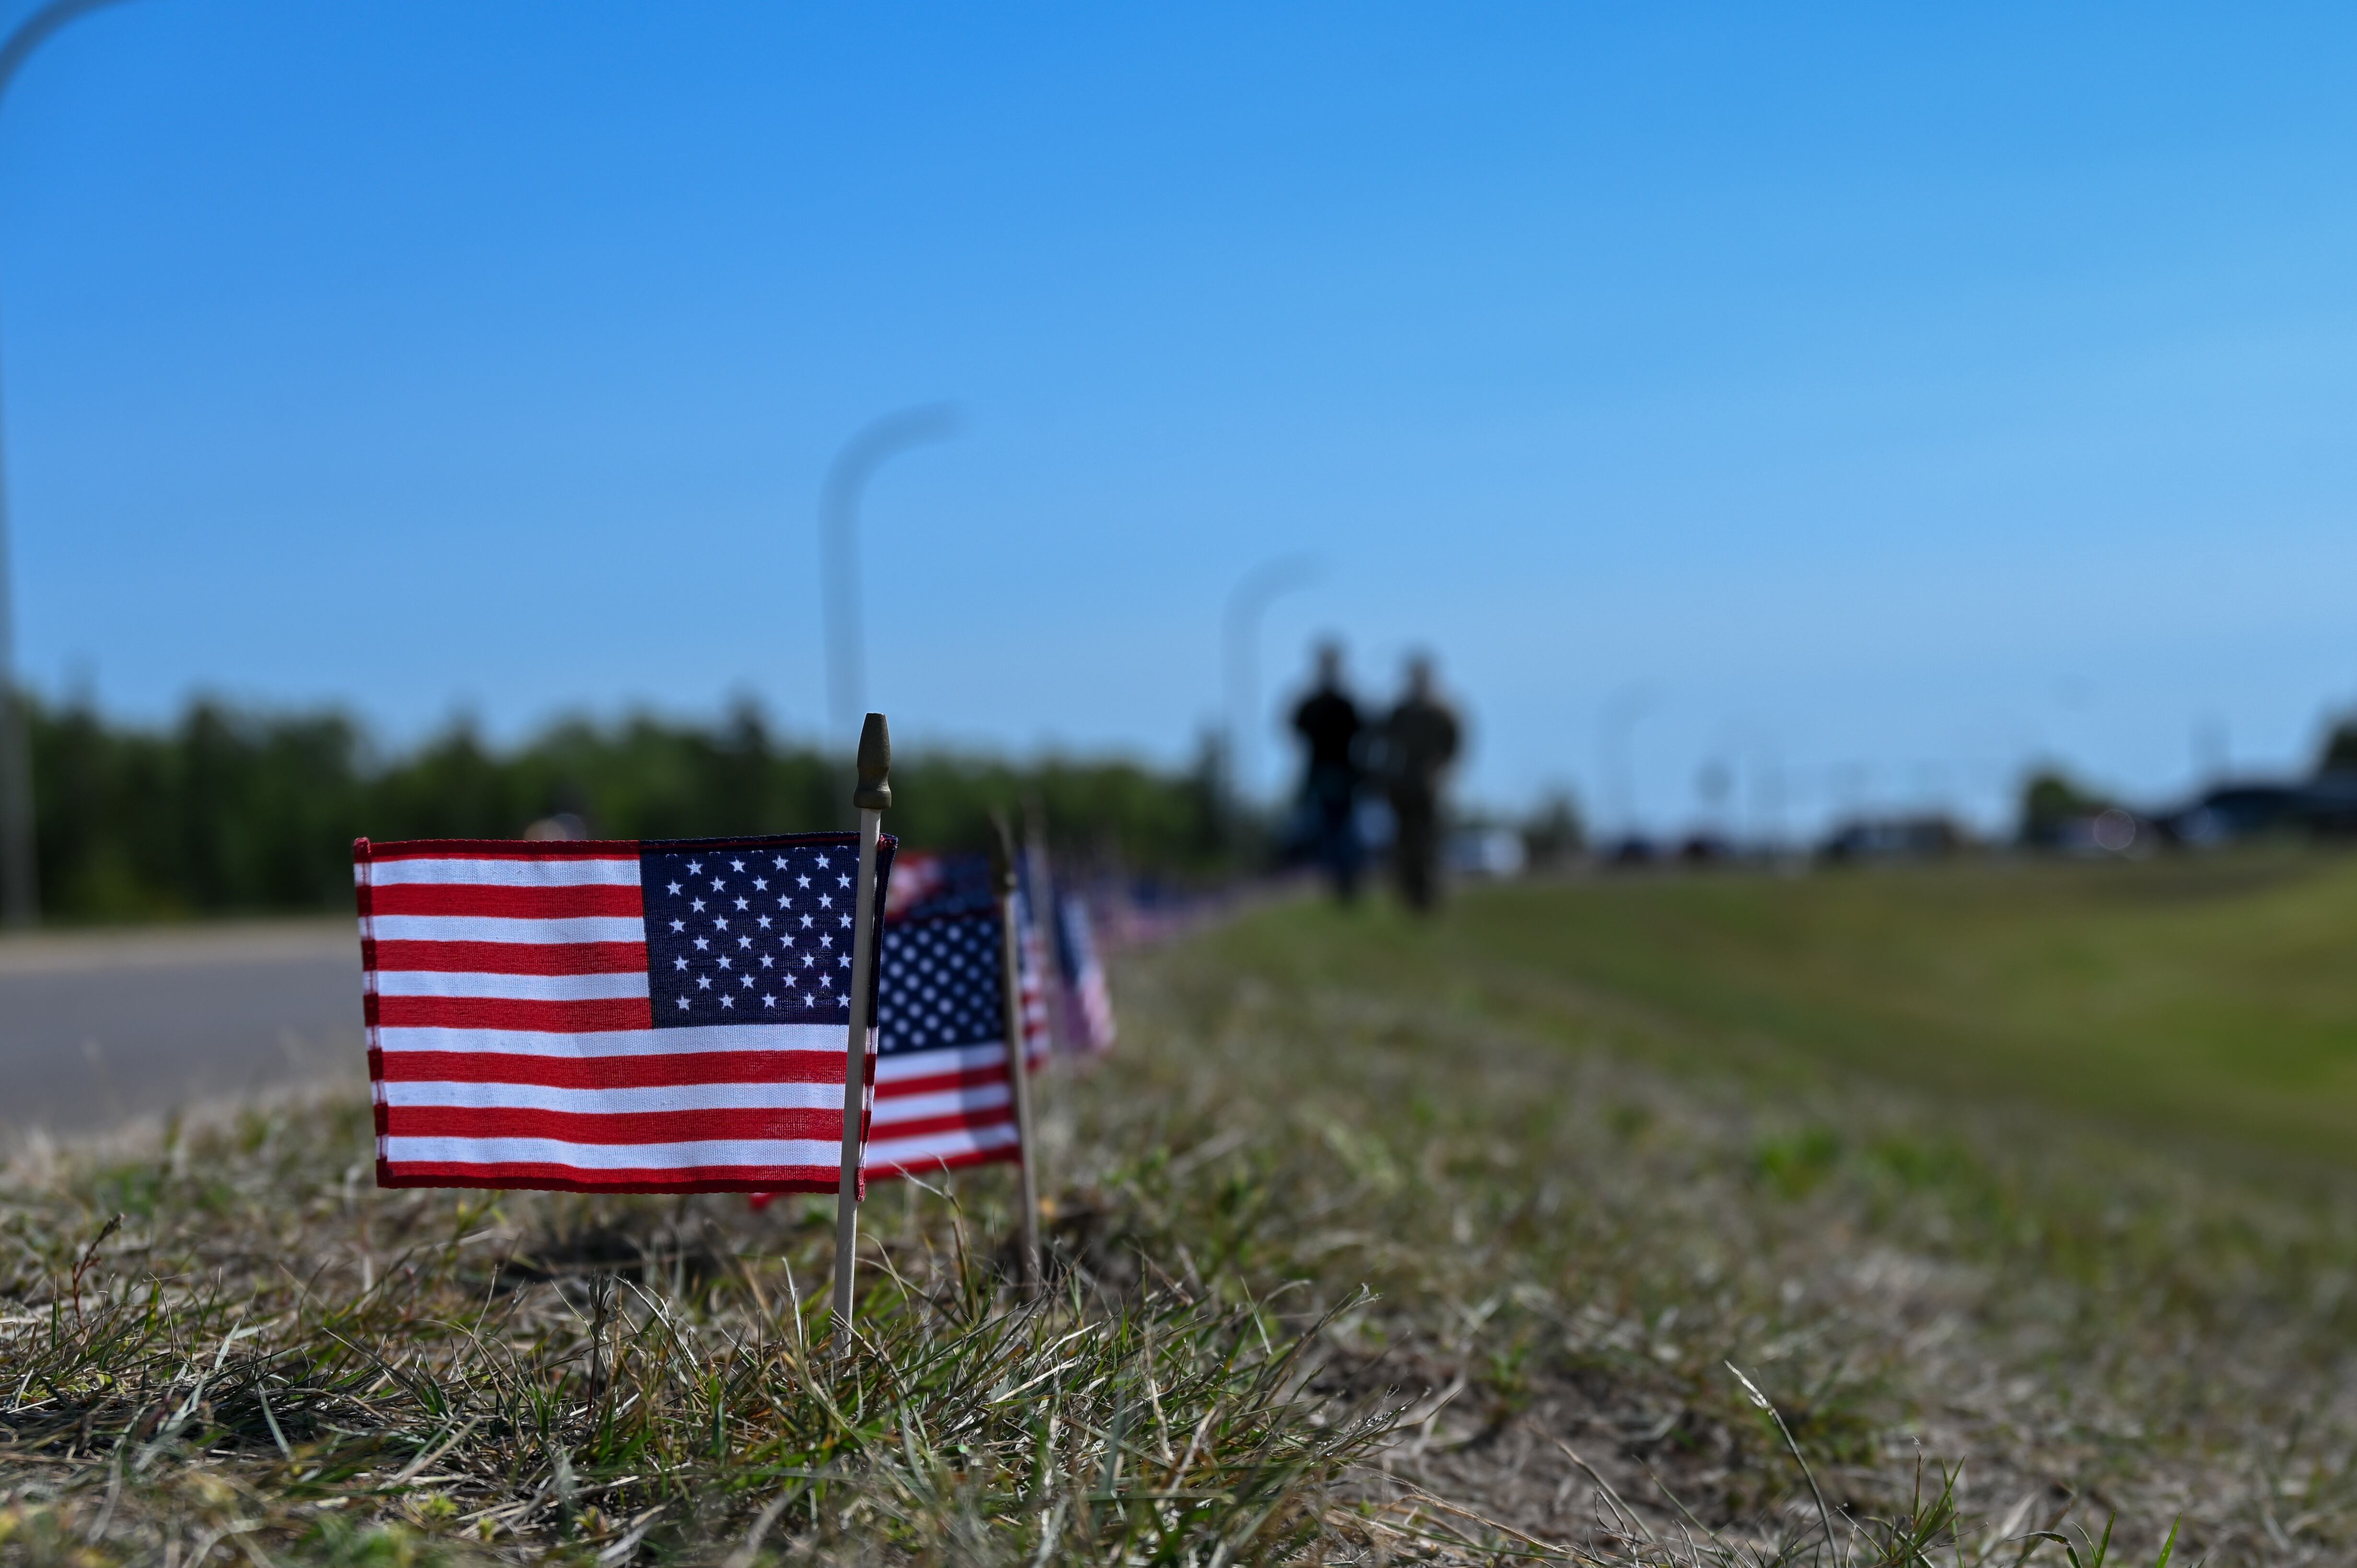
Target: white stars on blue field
940,982
749,933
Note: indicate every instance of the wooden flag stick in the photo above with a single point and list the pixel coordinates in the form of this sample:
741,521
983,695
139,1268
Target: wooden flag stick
873,796
1018,1070
1046,909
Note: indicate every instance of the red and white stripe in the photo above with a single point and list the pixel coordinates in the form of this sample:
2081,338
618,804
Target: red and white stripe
1088,1001
1038,1033
512,1043
940,1110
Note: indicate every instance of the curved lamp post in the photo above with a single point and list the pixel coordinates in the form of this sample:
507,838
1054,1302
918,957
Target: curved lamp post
846,482
1613,728
1248,601
20,897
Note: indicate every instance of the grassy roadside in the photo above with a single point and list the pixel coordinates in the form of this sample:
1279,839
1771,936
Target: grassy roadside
1573,1204
1626,1190
266,1357
2209,997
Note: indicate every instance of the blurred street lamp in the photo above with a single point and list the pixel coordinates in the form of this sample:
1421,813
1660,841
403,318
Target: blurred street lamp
1248,601
1762,753
1612,732
20,896
846,482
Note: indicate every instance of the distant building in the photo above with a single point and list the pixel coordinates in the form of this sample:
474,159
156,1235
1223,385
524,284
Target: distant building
2057,815
1487,851
1926,837
2093,835
1629,850
1704,847
2232,813
2324,806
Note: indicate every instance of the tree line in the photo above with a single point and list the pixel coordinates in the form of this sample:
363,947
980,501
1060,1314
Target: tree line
232,810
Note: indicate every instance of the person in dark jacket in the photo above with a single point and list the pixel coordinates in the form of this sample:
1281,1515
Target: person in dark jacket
1418,741
1331,733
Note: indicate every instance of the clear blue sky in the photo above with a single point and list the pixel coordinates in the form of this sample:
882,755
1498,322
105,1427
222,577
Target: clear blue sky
1871,396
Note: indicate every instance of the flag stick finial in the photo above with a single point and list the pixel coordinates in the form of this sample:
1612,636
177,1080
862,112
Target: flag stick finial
875,790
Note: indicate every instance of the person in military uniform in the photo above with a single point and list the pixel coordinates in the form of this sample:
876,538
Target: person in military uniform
1333,736
1418,741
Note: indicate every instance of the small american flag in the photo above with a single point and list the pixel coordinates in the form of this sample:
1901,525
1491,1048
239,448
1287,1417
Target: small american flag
1088,1002
942,1093
611,1016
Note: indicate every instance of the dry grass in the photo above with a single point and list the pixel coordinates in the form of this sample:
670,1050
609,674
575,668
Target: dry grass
1583,1210
268,1356
1973,1326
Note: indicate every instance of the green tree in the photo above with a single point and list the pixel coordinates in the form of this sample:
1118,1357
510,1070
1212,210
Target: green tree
231,811
2340,751
2049,798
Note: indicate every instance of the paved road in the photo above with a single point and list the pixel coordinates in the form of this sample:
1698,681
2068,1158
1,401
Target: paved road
97,1027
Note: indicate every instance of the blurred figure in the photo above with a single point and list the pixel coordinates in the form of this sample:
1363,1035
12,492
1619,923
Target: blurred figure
1328,724
1419,740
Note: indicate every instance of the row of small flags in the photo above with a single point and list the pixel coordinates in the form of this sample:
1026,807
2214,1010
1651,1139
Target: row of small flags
671,1015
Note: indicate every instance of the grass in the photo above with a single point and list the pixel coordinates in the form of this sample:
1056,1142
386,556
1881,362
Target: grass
1377,1242
2202,997
263,1354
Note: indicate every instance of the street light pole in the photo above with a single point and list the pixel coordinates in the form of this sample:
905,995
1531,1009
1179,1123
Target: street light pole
1248,601
1612,730
20,895
846,482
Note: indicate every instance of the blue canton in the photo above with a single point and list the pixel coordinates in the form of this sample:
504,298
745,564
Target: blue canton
749,933
942,983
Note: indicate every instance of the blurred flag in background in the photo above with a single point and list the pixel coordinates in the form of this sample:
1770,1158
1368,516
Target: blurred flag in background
1087,1003
943,1094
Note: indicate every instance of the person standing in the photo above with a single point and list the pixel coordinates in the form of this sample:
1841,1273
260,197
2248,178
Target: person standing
1331,733
1419,740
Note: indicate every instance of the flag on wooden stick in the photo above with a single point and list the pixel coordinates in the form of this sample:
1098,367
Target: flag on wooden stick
1088,1001
943,1092
611,1017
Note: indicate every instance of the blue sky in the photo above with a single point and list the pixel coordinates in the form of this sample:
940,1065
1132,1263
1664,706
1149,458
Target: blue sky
1869,398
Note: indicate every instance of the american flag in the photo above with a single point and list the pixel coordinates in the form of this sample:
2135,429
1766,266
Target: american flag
1088,1002
611,1016
943,1094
